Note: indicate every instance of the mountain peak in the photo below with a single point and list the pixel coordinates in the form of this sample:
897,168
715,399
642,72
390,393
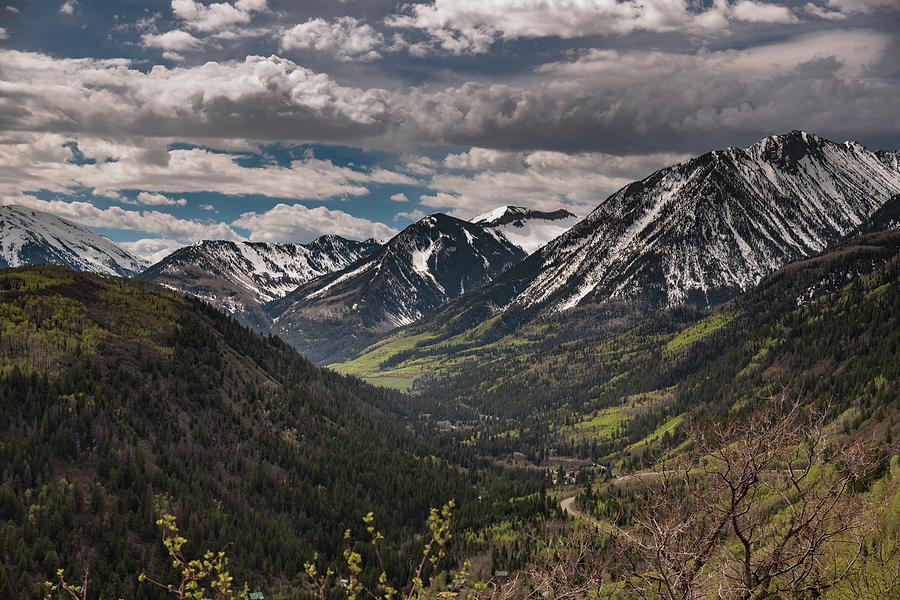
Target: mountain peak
503,215
238,277
29,236
431,261
526,228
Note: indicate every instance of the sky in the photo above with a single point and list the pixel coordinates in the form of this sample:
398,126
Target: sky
164,123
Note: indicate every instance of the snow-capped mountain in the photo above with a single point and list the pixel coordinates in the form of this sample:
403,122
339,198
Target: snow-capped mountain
697,232
703,230
239,277
527,228
30,237
426,264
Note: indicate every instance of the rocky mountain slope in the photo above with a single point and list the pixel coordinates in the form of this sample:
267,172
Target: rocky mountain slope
526,228
239,277
703,230
30,237
697,232
428,263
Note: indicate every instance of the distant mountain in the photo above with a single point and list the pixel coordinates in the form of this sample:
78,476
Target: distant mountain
426,264
703,230
526,228
239,277
30,237
698,232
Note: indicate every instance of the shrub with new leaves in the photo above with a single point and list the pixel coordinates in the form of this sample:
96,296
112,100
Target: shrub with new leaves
206,578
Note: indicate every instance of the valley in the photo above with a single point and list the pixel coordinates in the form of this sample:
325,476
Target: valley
276,399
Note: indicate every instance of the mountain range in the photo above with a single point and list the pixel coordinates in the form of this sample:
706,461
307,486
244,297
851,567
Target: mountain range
239,277
682,309
431,261
697,232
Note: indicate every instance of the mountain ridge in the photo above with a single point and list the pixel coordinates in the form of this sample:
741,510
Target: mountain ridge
435,259
239,277
29,237
616,259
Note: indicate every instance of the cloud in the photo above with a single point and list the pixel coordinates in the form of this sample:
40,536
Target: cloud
152,249
116,217
259,98
399,197
298,223
208,207
543,180
152,199
863,6
412,215
470,26
346,38
625,102
3,33
68,7
33,162
759,12
633,102
175,40
13,9
484,158
824,13
217,16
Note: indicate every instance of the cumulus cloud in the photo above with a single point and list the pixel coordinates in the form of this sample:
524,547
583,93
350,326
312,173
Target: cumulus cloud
3,33
543,180
600,100
759,12
217,16
412,215
33,162
298,223
175,40
461,26
823,13
13,10
258,98
68,7
399,197
628,102
345,38
153,199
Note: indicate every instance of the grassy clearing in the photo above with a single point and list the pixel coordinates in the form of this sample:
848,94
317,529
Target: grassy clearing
699,330
398,382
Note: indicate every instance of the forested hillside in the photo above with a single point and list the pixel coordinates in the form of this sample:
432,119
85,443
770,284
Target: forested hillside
824,328
120,400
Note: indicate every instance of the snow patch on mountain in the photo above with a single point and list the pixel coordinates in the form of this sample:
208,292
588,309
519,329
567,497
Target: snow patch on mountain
526,228
29,237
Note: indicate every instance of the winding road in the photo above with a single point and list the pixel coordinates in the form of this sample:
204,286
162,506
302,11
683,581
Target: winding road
566,504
